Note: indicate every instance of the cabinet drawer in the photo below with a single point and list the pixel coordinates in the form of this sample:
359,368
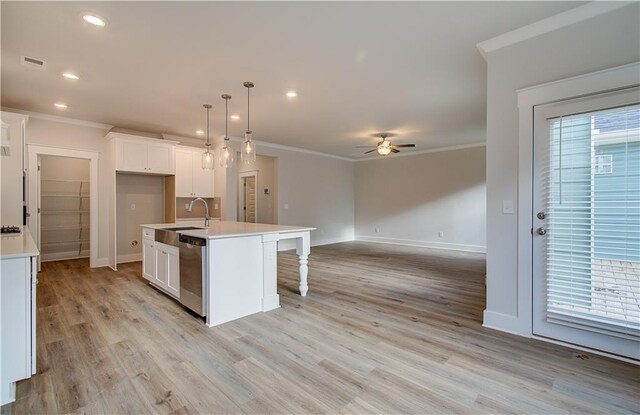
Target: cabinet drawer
148,233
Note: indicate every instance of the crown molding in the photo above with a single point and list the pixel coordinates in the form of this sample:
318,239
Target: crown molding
564,19
301,150
57,118
433,150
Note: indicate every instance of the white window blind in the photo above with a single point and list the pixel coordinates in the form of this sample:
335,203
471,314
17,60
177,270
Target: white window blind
592,198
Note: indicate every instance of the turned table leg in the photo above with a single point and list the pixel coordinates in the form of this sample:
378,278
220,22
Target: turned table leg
303,248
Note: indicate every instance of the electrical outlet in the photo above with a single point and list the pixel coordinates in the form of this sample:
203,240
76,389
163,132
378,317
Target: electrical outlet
286,206
215,206
440,234
376,229
186,206
133,206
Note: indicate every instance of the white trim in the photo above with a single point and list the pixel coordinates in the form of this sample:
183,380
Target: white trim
33,152
299,150
289,244
424,244
564,19
101,262
329,241
58,118
528,98
129,258
503,322
432,150
59,256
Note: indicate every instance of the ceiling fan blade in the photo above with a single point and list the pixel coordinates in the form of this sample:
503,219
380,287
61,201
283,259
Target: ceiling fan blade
364,146
370,151
393,150
404,145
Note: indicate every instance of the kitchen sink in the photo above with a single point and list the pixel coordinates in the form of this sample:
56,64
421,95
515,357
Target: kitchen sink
183,228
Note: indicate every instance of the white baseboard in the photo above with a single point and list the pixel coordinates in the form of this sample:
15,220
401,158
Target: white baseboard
504,322
424,244
129,258
289,244
61,256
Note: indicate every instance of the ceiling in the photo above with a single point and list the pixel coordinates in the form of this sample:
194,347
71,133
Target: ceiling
410,68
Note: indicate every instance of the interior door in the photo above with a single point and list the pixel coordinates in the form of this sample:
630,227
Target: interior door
250,199
586,222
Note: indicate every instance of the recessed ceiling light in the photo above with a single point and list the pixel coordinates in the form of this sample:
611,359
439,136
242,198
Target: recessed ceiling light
60,105
70,75
292,94
235,117
199,132
94,19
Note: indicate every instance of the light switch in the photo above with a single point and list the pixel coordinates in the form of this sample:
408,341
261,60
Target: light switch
507,207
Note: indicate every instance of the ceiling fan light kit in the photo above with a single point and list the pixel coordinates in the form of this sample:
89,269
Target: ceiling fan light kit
384,147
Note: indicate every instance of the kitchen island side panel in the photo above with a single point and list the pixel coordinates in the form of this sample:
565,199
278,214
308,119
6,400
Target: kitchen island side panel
235,278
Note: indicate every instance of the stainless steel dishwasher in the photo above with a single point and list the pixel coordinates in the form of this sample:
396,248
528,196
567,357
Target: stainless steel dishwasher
193,273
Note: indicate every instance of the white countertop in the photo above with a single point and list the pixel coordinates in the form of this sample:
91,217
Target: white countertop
228,229
18,246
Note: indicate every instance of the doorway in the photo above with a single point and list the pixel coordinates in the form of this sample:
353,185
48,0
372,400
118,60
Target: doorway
248,195
71,195
586,222
63,207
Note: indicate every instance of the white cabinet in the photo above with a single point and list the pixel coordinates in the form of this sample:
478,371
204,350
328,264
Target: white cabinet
11,167
18,324
148,259
144,155
167,268
191,179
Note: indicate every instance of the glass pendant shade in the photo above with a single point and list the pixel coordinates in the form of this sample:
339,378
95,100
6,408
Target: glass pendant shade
207,160
207,156
226,156
248,153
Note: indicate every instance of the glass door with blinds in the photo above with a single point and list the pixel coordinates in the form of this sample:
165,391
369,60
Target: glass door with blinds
586,222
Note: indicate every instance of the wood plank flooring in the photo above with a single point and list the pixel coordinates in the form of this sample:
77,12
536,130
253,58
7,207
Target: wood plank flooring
384,329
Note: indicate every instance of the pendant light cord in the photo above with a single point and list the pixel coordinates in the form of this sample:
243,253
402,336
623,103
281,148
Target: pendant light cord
226,119
248,108
208,143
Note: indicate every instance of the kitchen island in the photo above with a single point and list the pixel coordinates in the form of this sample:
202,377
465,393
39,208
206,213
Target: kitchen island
239,265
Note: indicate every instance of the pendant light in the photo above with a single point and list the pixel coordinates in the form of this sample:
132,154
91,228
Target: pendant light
207,156
227,153
248,153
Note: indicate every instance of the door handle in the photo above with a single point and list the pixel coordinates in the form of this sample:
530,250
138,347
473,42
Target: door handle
541,231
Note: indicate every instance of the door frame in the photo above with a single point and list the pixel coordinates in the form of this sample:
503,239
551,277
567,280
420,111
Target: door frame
33,153
528,98
242,175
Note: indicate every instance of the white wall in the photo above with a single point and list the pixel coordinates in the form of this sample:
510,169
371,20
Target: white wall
412,198
312,190
85,138
601,42
146,194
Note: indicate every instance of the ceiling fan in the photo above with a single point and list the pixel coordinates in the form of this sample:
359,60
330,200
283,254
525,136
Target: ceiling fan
385,147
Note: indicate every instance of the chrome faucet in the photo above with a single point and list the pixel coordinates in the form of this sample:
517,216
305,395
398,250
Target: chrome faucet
206,207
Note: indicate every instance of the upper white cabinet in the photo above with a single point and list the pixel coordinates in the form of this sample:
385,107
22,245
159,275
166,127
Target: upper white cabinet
144,155
191,179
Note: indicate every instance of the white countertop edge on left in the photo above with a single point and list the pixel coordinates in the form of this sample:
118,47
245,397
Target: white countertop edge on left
18,246
229,229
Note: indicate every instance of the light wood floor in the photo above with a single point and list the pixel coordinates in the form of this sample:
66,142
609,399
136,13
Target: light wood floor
385,329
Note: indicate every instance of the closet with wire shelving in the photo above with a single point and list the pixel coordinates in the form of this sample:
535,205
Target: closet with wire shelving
64,208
